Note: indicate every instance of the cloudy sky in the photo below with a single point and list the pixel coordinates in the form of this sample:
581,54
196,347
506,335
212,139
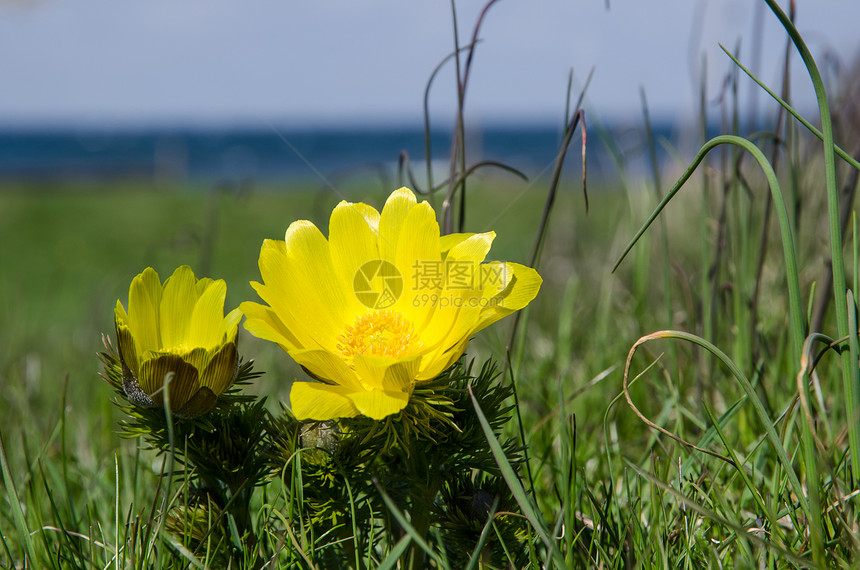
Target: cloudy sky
138,62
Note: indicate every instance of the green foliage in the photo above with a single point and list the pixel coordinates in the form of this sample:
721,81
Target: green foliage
432,460
221,457
436,466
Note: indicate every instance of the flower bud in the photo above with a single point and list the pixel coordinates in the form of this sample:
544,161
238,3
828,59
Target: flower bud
176,336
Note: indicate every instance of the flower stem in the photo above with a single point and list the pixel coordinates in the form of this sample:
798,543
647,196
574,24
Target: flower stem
423,497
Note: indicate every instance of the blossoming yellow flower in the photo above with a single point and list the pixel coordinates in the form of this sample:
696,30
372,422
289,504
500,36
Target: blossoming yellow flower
178,330
383,304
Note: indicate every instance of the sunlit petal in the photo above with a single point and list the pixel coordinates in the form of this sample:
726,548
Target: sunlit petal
379,404
391,220
328,367
177,305
263,322
315,401
310,276
383,374
448,241
144,300
521,286
416,250
352,242
207,316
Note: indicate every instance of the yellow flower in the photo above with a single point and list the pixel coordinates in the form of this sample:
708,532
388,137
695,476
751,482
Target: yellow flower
177,330
383,304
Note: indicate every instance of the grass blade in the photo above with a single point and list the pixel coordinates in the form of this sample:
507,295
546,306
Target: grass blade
396,552
850,371
407,526
485,534
519,493
739,530
798,327
15,504
761,412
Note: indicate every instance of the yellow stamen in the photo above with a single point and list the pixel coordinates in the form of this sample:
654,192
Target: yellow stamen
380,333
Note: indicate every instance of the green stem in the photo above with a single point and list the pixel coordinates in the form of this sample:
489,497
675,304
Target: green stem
425,485
239,509
423,497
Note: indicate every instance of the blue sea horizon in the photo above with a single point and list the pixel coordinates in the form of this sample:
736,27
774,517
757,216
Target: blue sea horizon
240,154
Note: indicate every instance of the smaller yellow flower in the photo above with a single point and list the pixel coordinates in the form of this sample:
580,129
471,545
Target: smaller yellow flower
177,331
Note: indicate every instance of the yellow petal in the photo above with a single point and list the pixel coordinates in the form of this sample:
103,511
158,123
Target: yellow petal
377,373
417,248
202,285
462,299
318,302
379,404
352,242
205,321
474,247
450,240
433,365
324,365
314,401
463,273
119,314
275,269
229,328
127,348
198,357
520,285
263,322
221,369
391,220
177,303
144,298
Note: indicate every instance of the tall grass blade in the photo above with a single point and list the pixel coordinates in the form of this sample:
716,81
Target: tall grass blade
116,512
850,370
519,493
395,553
407,526
183,551
748,483
485,534
794,113
15,505
796,315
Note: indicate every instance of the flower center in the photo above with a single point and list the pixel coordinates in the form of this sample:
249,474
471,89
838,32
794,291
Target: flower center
178,349
380,333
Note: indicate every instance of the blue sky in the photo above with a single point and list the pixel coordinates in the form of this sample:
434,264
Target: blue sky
143,62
